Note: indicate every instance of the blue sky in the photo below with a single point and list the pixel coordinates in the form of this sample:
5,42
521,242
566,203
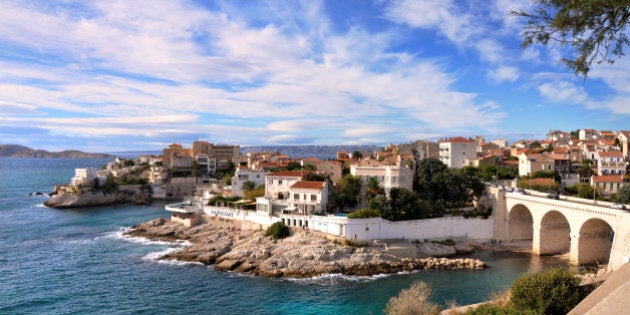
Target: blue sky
107,76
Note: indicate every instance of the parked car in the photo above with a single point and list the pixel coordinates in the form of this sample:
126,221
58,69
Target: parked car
509,189
520,191
553,196
618,206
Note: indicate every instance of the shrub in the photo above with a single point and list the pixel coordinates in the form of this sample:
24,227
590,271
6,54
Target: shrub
364,214
278,230
554,291
413,300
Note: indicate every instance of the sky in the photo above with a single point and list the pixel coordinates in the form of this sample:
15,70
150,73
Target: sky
120,75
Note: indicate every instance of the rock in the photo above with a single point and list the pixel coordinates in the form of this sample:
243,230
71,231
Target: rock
303,254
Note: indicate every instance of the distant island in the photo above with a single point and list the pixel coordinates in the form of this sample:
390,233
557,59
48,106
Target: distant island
20,151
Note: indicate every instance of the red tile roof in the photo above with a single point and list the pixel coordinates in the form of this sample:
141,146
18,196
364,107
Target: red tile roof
608,179
303,184
457,139
610,154
287,174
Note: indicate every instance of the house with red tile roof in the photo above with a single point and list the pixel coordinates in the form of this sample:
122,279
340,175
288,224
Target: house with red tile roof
607,184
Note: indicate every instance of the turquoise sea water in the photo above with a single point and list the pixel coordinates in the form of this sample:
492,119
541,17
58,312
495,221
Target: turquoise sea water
77,262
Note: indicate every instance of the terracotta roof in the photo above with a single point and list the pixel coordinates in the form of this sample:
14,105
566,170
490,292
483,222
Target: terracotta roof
457,139
608,179
303,184
286,174
610,154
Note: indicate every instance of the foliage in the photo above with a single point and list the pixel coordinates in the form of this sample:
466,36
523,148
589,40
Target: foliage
586,171
554,291
129,163
310,167
221,199
487,173
278,230
413,300
312,176
434,181
196,169
294,166
596,29
373,189
364,214
585,191
251,191
404,204
489,309
350,191
248,186
179,173
357,155
623,194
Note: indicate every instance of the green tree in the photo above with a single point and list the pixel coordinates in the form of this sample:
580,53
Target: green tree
430,179
357,155
350,191
554,291
278,230
364,214
196,169
595,29
373,189
623,194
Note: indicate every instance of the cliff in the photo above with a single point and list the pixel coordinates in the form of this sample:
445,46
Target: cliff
134,194
222,243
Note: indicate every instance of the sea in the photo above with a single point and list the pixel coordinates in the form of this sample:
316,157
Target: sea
79,262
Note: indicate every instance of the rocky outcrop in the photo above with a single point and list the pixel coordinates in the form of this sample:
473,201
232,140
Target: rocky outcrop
304,254
89,198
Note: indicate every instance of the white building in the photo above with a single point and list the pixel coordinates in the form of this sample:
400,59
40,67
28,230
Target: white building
83,176
610,163
388,176
308,197
277,191
244,174
455,152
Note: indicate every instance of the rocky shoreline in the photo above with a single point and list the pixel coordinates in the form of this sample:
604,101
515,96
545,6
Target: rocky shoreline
233,245
133,194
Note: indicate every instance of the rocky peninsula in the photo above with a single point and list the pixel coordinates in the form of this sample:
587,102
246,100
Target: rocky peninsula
85,197
233,245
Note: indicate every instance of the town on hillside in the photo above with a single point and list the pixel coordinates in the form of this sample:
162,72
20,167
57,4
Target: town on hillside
421,179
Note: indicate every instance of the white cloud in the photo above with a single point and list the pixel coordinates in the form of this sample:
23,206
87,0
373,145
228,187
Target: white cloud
559,91
157,68
504,74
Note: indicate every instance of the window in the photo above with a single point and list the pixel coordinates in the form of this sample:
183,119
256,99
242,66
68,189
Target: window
313,197
296,197
280,182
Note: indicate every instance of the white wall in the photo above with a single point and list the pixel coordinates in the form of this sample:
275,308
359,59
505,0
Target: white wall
371,229
449,227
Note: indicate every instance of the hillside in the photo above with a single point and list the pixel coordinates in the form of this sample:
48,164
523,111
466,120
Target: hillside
20,151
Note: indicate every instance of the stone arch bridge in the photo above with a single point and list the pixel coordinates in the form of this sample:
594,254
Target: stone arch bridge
590,232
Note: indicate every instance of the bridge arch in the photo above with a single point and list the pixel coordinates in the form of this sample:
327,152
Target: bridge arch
520,224
554,234
594,242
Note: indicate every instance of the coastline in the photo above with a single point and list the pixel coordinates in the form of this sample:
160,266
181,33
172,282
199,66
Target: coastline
237,246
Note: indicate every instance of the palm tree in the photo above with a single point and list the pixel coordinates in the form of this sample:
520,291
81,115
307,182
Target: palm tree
374,189
248,186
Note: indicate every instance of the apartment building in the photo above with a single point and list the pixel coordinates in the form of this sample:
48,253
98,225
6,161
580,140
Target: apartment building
455,152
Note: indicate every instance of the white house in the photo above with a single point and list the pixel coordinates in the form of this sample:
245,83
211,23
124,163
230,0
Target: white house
455,152
610,163
388,176
308,197
83,176
607,184
277,191
244,174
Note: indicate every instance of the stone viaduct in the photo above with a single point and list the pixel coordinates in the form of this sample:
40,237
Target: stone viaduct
592,233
